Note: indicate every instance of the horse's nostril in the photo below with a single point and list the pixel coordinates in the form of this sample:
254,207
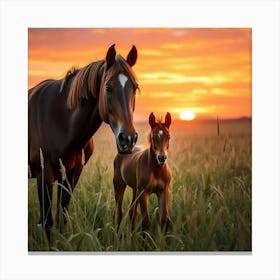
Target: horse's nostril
123,139
127,140
135,138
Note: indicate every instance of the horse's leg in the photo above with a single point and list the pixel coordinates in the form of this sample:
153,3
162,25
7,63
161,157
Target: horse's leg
45,182
58,202
146,221
119,188
66,187
63,187
163,209
67,190
133,210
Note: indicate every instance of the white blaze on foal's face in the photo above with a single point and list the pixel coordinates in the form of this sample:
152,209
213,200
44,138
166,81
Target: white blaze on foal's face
160,142
123,79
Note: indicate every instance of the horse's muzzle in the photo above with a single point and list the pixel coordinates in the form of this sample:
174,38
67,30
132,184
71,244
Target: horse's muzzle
126,142
161,158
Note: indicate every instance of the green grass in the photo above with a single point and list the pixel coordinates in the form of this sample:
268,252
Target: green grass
210,196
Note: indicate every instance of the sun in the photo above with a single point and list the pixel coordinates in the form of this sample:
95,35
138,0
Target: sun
187,116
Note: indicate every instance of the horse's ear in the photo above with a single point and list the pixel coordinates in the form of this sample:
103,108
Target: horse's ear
167,120
152,120
110,57
132,56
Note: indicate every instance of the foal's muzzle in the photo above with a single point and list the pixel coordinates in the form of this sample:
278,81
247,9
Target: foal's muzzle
126,141
161,158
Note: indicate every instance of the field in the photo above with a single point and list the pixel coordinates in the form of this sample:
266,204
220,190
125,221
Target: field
210,197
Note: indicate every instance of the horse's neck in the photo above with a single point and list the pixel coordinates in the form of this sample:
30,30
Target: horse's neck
85,121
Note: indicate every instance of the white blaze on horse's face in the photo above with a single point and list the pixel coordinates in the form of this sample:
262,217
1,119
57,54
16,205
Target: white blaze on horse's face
160,133
123,79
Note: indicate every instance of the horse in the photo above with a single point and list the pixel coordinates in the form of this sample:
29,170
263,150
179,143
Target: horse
146,172
63,115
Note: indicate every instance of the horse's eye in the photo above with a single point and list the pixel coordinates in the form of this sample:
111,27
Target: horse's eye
108,89
168,136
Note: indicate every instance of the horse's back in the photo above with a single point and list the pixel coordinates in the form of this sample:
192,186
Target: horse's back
50,128
45,111
41,99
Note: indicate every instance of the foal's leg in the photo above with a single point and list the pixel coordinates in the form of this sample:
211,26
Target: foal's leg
163,209
119,188
146,221
45,182
133,210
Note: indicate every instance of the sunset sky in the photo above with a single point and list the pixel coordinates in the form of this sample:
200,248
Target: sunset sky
206,71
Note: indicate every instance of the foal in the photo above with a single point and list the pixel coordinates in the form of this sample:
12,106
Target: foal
146,172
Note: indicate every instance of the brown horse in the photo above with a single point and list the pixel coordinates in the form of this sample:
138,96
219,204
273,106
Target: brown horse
63,115
146,172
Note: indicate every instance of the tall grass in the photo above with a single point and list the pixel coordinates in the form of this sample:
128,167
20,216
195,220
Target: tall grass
210,196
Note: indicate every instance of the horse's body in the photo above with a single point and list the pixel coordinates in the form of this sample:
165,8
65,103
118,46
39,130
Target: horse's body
146,172
63,115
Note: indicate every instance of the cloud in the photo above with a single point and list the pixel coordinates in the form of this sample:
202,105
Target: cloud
171,78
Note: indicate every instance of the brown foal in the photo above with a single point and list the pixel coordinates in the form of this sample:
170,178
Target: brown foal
146,172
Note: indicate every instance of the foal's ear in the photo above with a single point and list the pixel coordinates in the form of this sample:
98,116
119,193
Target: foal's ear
152,120
167,120
132,56
110,57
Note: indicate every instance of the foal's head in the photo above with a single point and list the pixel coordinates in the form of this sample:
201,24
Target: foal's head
160,137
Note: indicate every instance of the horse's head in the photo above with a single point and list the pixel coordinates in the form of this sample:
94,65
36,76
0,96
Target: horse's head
117,98
160,137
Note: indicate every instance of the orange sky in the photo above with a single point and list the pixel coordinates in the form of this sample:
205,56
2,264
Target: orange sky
207,71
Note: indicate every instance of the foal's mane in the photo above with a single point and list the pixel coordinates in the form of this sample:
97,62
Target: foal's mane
87,79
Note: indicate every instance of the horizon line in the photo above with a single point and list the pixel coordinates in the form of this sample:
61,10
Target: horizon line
205,119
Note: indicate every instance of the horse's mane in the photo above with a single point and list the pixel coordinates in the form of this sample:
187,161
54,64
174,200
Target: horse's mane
84,82
119,67
72,71
87,80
